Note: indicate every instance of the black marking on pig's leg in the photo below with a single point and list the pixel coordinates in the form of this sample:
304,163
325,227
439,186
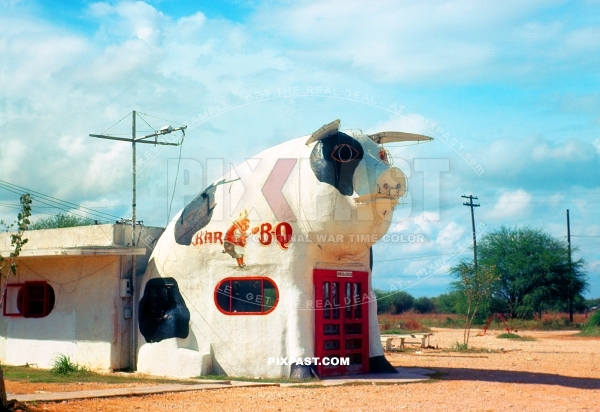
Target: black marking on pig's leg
162,311
379,364
302,372
334,160
195,216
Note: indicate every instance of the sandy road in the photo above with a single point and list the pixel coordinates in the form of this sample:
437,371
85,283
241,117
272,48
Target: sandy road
554,372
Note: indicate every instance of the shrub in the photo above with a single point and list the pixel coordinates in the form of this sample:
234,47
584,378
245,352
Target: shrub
59,221
460,347
63,365
594,320
424,305
592,327
508,336
410,325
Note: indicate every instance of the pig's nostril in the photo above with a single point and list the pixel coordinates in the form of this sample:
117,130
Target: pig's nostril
385,187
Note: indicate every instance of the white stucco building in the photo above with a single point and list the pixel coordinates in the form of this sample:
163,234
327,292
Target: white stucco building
71,296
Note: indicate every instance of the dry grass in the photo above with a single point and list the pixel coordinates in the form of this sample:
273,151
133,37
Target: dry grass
416,322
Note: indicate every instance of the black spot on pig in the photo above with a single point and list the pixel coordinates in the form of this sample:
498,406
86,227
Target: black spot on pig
334,160
195,216
162,311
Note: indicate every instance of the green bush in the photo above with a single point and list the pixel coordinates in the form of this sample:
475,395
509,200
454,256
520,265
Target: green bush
594,320
424,305
59,221
592,327
460,347
63,365
394,302
508,336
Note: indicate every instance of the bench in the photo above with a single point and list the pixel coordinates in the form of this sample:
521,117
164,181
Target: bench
424,337
387,341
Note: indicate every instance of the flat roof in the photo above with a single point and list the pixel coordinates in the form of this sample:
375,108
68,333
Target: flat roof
79,251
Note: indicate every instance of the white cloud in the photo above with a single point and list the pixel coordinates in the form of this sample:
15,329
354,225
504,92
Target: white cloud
511,204
32,51
108,169
586,39
13,159
123,61
130,20
573,150
597,145
450,236
454,40
410,123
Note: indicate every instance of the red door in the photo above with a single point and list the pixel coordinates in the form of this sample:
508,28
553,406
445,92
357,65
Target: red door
341,321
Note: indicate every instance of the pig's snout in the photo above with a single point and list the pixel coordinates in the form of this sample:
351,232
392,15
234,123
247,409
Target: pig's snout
392,183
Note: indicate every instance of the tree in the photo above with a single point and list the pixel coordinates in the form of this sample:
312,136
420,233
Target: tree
448,302
533,270
16,240
393,302
477,285
61,220
424,305
8,265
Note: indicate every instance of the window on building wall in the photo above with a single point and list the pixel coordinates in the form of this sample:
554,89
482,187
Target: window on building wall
246,296
28,299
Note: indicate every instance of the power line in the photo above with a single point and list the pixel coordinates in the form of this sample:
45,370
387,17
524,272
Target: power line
418,257
59,203
55,202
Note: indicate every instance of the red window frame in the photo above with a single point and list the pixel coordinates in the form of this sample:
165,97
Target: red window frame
262,279
25,299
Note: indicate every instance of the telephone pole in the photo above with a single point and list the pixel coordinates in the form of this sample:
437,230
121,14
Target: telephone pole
134,139
472,205
570,266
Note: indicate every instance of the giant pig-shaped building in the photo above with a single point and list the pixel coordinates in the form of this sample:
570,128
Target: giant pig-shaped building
271,265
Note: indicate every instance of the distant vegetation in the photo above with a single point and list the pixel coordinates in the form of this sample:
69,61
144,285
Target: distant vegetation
398,312
528,274
59,221
592,326
411,322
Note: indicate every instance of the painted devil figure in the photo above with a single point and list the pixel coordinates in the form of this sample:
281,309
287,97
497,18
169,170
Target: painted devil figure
235,238
317,204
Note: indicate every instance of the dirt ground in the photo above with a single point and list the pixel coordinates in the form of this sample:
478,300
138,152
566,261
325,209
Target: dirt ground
555,372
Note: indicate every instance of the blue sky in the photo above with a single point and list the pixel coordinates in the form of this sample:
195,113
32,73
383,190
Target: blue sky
509,91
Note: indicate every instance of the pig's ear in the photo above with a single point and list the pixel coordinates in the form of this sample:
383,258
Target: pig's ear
389,137
324,132
195,216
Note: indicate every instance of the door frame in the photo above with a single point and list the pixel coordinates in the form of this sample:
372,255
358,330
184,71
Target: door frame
341,321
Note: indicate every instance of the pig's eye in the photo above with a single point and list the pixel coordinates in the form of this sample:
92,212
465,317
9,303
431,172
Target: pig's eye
344,153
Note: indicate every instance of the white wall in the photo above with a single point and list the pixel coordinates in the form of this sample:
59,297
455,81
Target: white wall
84,321
87,322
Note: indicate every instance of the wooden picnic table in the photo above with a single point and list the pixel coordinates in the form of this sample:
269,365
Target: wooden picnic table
386,340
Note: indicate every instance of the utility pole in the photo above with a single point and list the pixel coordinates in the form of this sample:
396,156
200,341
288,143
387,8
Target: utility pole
570,267
134,139
472,205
